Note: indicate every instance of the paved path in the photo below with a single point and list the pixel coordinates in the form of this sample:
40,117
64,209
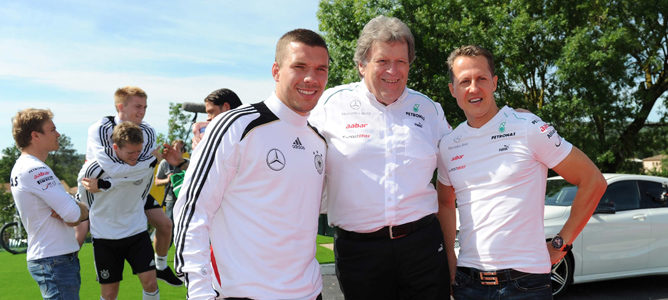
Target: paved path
330,285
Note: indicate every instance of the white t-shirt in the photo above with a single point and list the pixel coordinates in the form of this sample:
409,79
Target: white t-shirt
499,173
37,191
117,212
252,191
380,159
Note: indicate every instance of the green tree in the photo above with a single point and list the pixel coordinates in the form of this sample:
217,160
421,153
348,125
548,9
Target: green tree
9,157
594,69
178,125
65,162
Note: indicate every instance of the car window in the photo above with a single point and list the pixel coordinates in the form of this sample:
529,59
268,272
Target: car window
650,192
559,192
624,194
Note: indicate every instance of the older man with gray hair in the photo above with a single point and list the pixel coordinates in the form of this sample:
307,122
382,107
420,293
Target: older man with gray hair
383,144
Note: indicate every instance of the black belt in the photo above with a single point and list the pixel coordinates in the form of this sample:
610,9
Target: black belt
389,232
493,277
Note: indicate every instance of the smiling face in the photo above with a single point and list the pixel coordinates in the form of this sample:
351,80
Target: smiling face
133,110
473,86
386,70
301,76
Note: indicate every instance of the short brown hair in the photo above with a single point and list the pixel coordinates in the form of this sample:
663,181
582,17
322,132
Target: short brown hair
471,51
27,121
179,141
127,133
122,95
304,36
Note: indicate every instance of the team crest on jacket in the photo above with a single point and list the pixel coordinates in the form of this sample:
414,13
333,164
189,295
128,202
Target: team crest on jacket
319,163
275,159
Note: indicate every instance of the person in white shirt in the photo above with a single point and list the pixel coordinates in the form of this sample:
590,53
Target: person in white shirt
117,219
253,188
39,195
383,143
131,103
495,166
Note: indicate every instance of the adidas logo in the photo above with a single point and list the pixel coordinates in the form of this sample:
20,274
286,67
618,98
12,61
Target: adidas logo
297,144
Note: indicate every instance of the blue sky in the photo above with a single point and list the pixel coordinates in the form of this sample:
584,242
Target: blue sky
70,56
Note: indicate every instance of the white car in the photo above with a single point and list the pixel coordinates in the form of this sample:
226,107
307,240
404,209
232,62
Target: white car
627,235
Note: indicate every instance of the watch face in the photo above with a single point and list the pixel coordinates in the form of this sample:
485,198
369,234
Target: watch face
557,242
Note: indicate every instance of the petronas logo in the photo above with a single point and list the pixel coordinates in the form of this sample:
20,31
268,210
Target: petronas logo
502,127
416,107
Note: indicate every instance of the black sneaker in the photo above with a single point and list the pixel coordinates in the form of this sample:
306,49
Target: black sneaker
168,276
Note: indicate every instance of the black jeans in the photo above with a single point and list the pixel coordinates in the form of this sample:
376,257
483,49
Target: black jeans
411,267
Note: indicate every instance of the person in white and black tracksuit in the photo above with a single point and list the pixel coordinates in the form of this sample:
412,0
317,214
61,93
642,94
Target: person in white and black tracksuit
117,219
130,103
253,189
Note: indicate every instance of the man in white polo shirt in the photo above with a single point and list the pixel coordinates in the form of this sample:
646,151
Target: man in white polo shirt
495,165
383,143
253,188
52,248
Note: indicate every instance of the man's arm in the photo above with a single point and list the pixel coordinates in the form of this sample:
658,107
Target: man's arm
162,177
579,170
448,218
200,197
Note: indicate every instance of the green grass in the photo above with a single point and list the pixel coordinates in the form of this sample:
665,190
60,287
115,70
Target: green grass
16,283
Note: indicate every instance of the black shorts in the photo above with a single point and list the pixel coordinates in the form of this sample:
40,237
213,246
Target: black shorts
110,256
151,203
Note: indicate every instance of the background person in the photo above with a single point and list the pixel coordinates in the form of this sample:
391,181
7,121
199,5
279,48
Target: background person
162,178
117,218
383,143
495,165
219,101
130,103
37,192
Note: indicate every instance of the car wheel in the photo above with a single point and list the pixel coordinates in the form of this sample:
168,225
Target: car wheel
562,275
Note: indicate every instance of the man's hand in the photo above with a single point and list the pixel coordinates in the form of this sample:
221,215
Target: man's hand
173,156
555,254
90,184
198,132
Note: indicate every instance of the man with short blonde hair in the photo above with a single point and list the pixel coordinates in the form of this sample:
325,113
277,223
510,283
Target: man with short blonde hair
117,219
131,104
38,193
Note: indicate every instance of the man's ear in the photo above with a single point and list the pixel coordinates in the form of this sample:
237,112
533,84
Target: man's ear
115,147
452,89
274,71
226,106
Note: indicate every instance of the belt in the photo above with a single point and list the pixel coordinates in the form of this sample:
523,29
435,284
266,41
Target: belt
389,232
493,277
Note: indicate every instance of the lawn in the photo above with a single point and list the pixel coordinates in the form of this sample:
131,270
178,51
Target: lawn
17,283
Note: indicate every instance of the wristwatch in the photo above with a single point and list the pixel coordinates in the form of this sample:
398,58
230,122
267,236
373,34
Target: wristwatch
558,243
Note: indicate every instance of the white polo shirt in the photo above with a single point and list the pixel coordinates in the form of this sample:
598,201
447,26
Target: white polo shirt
37,191
499,173
252,191
380,159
